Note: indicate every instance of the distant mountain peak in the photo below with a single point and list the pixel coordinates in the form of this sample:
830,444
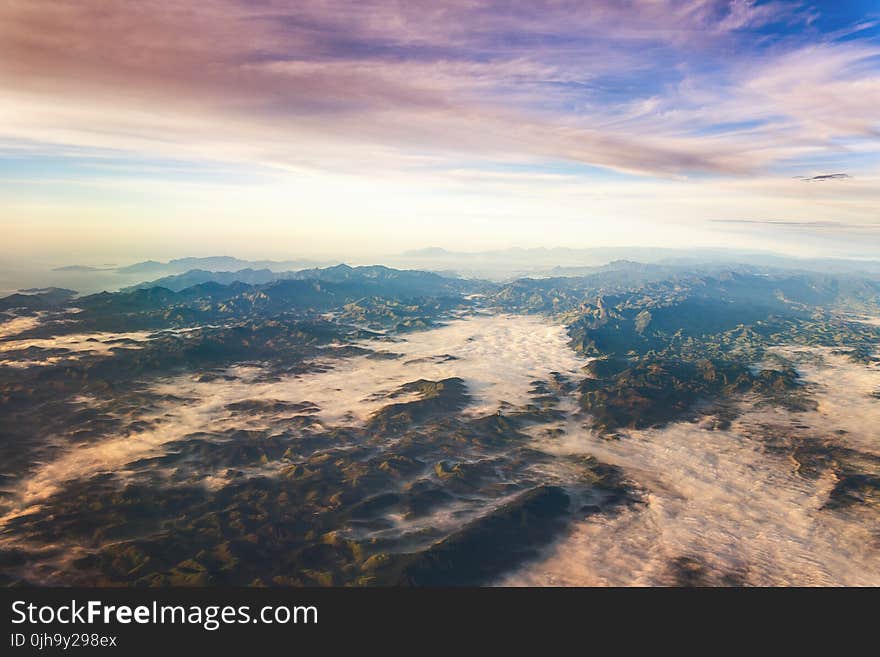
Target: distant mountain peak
428,251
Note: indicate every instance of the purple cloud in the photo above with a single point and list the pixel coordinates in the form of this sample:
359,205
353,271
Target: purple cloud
635,86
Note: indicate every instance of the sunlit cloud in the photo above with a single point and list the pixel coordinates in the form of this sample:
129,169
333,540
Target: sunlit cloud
710,93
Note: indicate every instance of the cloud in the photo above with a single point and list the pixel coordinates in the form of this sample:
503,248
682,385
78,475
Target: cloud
791,224
499,358
342,84
724,502
826,176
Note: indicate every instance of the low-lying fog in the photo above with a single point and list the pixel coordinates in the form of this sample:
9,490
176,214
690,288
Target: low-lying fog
724,508
497,356
718,504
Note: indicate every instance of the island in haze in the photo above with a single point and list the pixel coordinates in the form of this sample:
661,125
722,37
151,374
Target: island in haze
637,423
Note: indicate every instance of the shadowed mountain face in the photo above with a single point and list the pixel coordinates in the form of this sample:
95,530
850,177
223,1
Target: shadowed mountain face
375,426
364,279
37,299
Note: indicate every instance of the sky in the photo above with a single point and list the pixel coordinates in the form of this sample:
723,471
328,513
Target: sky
276,128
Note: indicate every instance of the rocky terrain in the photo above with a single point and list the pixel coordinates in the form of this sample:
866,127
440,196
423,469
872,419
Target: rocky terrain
371,426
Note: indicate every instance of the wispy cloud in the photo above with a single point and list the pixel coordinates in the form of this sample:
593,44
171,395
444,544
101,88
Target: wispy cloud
708,107
825,177
790,224
623,85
